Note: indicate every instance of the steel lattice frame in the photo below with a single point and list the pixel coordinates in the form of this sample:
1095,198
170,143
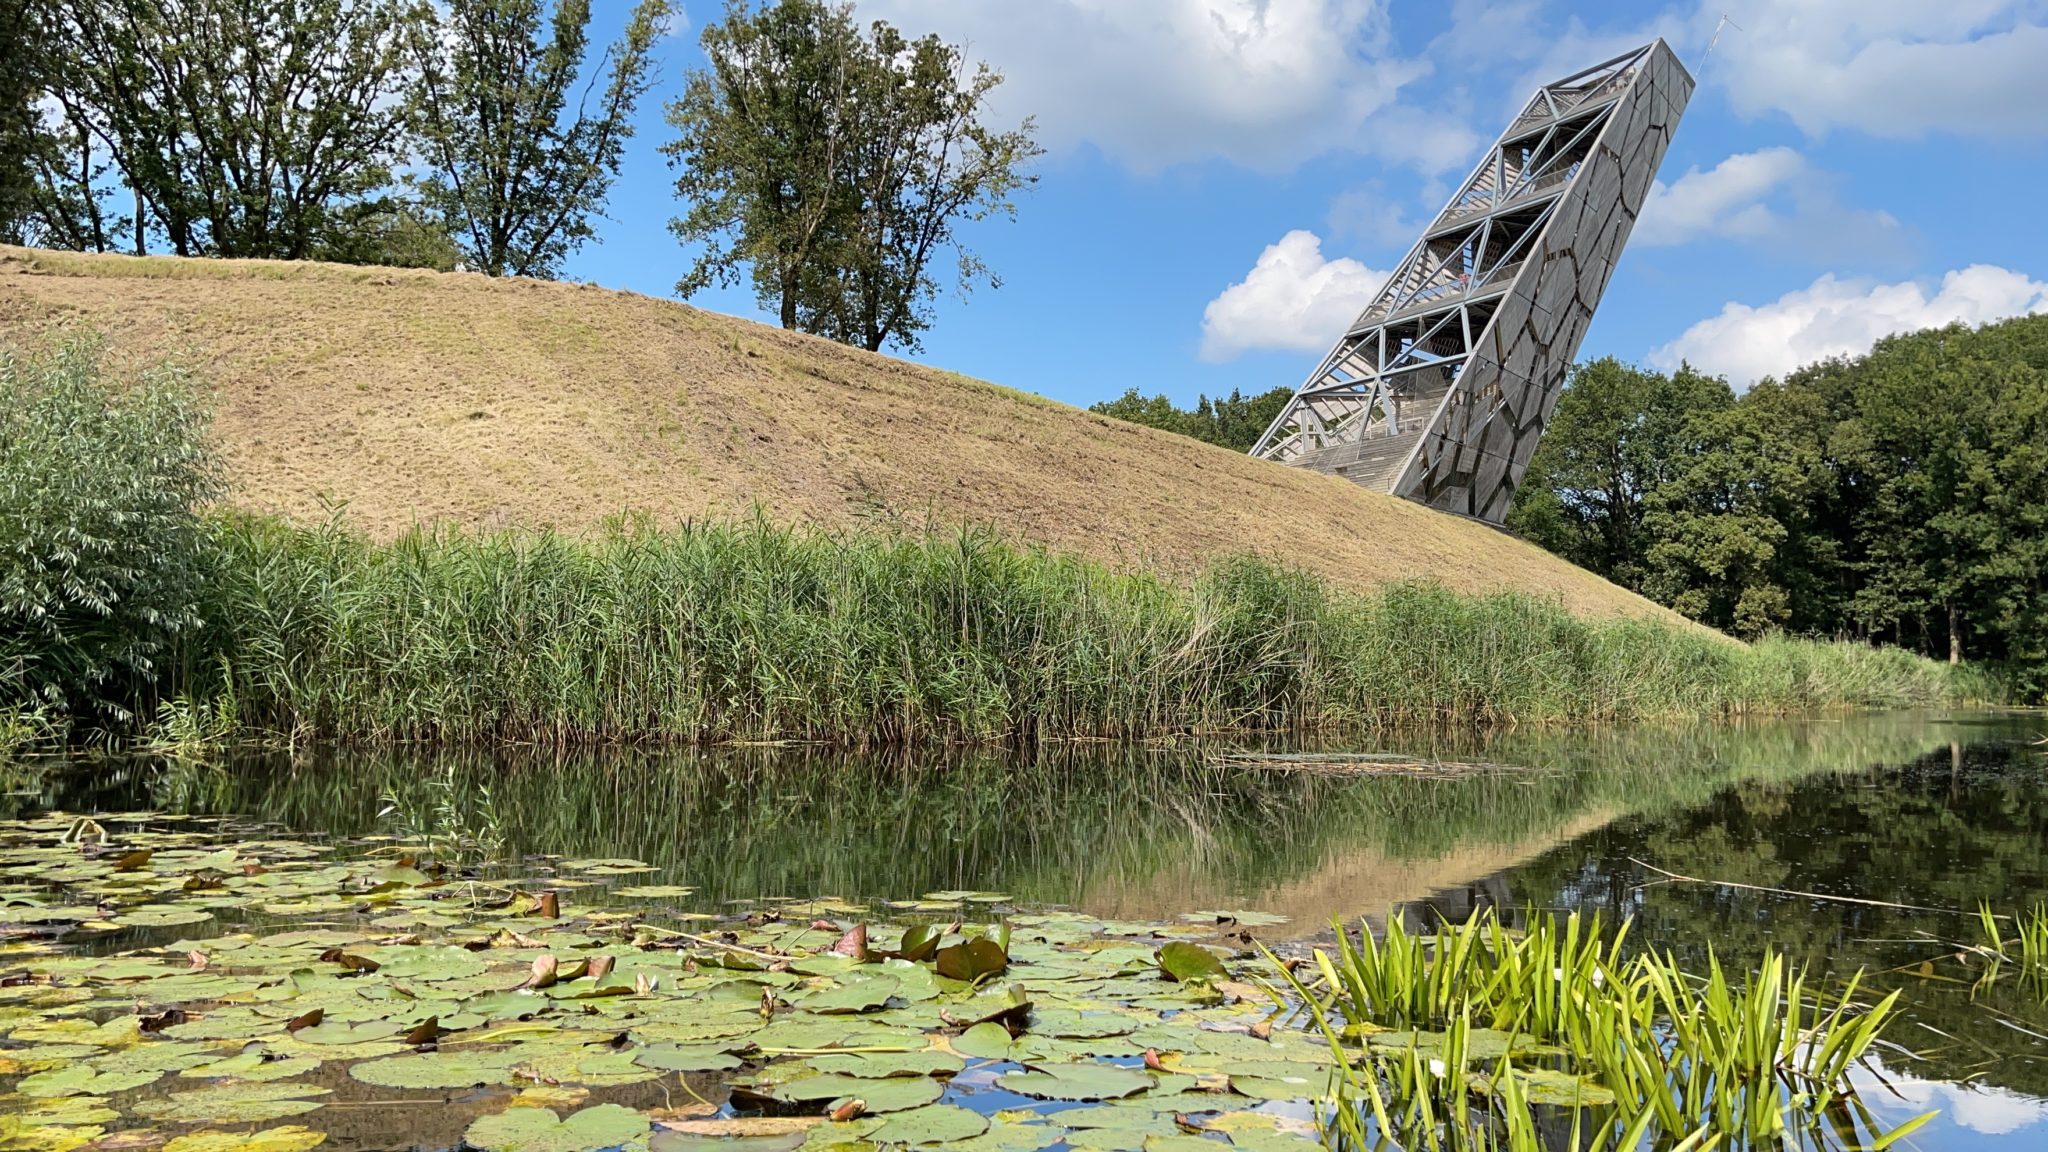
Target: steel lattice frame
1441,388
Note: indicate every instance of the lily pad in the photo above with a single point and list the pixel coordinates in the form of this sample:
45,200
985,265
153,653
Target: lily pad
83,1080
654,891
233,1104
1181,961
541,1130
892,1095
453,1068
972,960
856,996
289,1138
882,1065
1087,1081
935,1124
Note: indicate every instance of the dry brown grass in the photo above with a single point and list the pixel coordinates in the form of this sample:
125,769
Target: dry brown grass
423,396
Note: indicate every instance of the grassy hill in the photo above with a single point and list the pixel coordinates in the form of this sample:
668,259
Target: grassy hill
423,396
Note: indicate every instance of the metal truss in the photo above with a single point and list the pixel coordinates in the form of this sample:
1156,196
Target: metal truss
1397,403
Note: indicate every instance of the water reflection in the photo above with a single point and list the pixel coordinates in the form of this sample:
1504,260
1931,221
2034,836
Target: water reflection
1898,808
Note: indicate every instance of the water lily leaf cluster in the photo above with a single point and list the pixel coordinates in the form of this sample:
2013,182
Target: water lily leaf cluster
164,983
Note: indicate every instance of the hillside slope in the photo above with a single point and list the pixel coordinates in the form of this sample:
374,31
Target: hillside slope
417,395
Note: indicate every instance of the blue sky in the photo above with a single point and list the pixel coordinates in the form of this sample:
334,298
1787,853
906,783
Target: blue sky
1227,180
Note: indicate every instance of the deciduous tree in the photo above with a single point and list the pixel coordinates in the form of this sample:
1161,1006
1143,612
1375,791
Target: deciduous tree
516,174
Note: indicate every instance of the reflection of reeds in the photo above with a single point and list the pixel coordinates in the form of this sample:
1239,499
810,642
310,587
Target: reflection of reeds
748,631
1638,1047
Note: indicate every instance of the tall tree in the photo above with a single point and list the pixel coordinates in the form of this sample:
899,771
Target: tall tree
241,127
53,183
1617,434
835,165
760,137
515,175
920,161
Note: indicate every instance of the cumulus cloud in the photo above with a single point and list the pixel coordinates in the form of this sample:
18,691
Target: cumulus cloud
1152,83
1773,197
1833,317
1293,299
1895,68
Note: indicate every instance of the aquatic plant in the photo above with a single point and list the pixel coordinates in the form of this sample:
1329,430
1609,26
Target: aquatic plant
2025,946
1635,1043
746,630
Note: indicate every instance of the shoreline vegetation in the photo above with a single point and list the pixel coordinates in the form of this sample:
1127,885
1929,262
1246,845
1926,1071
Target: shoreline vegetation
131,610
750,631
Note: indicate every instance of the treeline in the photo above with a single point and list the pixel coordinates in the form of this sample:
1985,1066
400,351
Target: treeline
828,161
1235,421
1897,497
126,605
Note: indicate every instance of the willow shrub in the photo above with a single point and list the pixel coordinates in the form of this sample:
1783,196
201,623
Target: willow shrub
102,550
742,630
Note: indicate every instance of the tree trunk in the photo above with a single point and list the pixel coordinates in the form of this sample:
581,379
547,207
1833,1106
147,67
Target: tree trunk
1955,635
789,283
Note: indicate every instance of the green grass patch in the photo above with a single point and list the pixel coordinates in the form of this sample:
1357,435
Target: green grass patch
746,630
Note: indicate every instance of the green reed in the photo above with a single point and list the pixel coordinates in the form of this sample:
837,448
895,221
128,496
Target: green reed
744,630
1643,1049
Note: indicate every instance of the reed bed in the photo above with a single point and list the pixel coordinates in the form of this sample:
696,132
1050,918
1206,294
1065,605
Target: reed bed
748,631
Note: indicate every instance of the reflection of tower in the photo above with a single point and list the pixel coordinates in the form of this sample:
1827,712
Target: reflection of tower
1459,904
1440,389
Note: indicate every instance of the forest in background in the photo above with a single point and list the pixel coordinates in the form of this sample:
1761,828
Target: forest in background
1898,497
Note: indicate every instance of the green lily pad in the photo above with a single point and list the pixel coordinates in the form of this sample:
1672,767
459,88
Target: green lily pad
855,996
972,960
892,1095
672,1058
882,1065
1181,961
162,917
233,1104
455,1068
83,1080
985,1041
934,1124
654,891
541,1130
1076,1082
289,1138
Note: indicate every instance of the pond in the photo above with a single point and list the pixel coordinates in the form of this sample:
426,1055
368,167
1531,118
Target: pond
1849,843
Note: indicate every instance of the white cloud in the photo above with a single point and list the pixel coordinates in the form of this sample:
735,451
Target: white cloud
1152,83
1773,197
1979,1108
1293,299
1834,317
1895,68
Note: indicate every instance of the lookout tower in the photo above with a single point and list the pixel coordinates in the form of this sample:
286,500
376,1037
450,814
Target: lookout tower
1440,389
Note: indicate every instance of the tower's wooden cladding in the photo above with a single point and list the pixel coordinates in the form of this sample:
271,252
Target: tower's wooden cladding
1441,388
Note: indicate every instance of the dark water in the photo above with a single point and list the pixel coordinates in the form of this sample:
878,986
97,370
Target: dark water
1938,812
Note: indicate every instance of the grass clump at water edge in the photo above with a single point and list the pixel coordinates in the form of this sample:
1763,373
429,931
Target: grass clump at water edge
746,630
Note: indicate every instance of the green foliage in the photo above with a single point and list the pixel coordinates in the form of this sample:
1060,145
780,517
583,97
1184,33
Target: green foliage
722,630
834,165
513,176
1619,434
241,127
1898,497
1235,421
102,549
1646,1049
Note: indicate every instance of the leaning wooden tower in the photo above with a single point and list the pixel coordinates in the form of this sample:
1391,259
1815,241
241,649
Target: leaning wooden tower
1440,389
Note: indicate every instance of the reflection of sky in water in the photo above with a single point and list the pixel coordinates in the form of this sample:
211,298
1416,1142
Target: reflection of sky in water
1971,1115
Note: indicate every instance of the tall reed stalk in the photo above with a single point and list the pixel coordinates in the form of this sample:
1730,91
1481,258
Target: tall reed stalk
743,630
